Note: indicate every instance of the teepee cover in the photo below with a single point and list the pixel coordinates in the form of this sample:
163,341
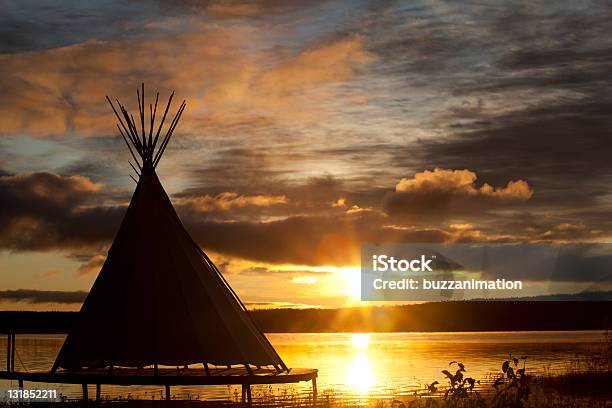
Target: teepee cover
158,298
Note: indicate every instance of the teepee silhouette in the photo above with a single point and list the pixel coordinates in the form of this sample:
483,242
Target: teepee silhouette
159,299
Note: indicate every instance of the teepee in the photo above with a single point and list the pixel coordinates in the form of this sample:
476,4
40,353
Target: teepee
158,299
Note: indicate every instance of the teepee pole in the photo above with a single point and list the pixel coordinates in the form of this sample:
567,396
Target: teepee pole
130,148
152,112
169,133
163,119
134,168
141,109
127,132
132,133
130,120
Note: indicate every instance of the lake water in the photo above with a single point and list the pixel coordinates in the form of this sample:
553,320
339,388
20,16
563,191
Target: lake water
358,365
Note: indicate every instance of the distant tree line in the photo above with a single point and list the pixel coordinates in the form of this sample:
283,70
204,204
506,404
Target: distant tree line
426,317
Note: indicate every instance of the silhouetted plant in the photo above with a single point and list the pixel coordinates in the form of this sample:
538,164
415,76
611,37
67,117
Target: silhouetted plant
461,391
512,386
460,386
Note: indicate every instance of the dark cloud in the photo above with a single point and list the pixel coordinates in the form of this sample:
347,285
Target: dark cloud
298,240
29,26
511,92
559,149
315,240
43,211
47,211
43,296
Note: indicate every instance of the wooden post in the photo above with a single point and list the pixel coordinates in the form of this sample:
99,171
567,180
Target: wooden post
20,383
85,394
167,392
155,369
206,369
13,352
243,398
8,352
248,392
98,392
314,391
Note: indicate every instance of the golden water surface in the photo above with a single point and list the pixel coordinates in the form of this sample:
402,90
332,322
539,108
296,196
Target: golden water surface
359,365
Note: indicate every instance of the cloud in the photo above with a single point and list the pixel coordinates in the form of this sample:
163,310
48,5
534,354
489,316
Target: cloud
341,203
227,201
233,9
50,188
443,193
249,179
47,211
225,74
43,211
43,296
539,143
323,63
301,240
22,25
305,280
318,240
462,183
92,266
281,305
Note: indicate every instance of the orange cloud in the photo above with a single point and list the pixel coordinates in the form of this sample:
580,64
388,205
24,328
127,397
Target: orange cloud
233,9
226,201
341,202
461,182
92,266
444,193
225,73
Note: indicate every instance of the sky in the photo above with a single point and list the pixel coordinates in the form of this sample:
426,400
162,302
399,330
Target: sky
311,127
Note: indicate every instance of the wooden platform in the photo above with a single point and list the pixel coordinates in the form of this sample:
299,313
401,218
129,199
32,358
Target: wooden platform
169,377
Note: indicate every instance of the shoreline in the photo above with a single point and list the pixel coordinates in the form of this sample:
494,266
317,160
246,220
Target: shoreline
451,316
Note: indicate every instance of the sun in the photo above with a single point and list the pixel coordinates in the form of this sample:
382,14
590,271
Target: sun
340,281
352,282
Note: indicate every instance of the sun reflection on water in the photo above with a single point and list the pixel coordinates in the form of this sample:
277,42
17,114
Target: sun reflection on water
359,373
360,340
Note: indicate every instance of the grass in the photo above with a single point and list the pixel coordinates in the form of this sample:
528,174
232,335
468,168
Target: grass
501,390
